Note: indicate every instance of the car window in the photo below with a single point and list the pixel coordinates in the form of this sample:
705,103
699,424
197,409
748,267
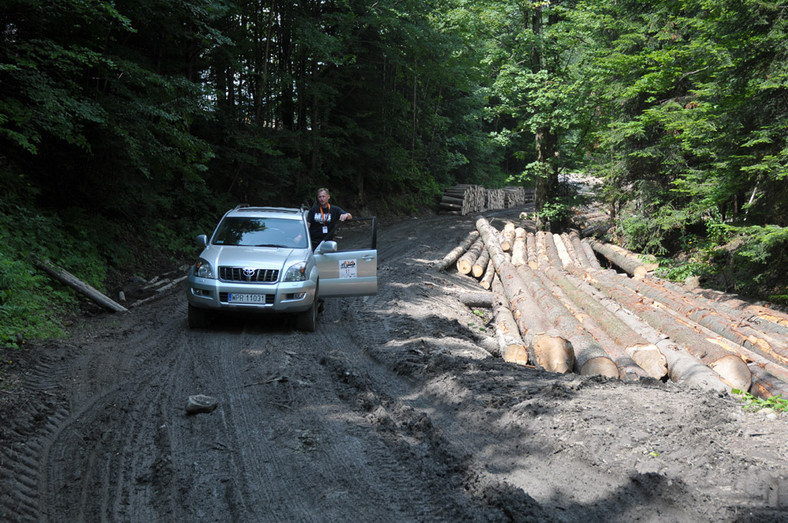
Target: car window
260,232
356,234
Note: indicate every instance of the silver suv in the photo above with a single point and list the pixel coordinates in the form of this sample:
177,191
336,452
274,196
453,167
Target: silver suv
259,260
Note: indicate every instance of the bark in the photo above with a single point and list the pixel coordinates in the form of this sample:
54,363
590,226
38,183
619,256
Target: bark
590,357
480,264
80,286
458,251
550,351
518,248
489,274
731,368
632,267
466,261
512,345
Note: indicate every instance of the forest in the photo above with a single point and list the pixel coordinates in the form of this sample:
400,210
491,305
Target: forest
128,127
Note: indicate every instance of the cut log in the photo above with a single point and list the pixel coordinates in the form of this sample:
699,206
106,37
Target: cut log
766,385
549,256
518,247
80,286
736,374
458,251
530,249
690,371
513,347
649,266
633,354
475,299
571,297
682,367
577,246
466,261
590,358
550,351
507,236
590,254
489,274
481,262
632,267
561,250
738,332
767,319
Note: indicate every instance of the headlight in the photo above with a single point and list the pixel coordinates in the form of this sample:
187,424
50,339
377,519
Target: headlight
203,269
296,272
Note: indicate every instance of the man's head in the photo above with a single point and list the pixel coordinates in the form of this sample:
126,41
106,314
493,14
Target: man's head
323,197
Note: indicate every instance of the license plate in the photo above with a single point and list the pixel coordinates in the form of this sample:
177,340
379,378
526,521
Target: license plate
246,298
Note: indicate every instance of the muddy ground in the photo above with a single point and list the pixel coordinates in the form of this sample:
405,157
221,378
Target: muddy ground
391,411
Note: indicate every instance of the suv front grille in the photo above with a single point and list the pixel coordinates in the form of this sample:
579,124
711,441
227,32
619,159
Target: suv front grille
241,274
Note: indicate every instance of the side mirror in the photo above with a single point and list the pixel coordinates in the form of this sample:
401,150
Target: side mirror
326,247
202,241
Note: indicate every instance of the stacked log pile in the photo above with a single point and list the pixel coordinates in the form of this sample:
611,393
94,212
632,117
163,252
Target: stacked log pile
463,199
496,199
556,307
516,196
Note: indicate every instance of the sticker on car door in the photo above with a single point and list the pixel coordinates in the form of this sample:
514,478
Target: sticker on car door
347,269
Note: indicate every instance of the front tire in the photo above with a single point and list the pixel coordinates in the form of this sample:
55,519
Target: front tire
198,318
307,321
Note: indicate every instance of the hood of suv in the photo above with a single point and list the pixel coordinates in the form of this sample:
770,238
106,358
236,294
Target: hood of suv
258,257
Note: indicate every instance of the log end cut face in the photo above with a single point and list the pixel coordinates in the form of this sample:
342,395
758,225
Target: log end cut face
553,353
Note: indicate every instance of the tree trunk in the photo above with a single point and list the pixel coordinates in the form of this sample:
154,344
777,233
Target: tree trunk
590,358
720,323
80,286
466,261
731,368
549,350
513,347
480,265
458,251
632,267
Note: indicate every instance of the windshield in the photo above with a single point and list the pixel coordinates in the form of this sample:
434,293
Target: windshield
260,232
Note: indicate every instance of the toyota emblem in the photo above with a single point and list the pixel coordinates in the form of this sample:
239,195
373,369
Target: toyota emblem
249,273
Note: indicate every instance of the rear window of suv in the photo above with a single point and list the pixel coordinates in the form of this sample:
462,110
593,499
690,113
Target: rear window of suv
261,232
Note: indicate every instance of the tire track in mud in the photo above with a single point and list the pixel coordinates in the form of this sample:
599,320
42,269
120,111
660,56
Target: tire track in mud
429,476
97,460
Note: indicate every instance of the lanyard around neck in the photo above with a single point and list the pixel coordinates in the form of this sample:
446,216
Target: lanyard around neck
322,216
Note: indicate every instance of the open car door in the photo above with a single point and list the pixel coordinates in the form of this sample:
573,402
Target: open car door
348,265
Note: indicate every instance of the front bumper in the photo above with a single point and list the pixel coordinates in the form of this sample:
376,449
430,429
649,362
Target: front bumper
279,297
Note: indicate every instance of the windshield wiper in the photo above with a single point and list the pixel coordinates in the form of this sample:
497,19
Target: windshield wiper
273,245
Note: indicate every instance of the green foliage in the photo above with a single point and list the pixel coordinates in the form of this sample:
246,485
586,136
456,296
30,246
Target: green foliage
776,403
754,260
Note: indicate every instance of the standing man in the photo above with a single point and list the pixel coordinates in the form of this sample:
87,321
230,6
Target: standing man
323,218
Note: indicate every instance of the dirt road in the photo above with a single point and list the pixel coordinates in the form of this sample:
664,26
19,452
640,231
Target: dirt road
391,411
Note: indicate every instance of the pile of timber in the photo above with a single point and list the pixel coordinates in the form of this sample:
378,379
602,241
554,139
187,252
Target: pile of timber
463,199
558,308
515,196
496,199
